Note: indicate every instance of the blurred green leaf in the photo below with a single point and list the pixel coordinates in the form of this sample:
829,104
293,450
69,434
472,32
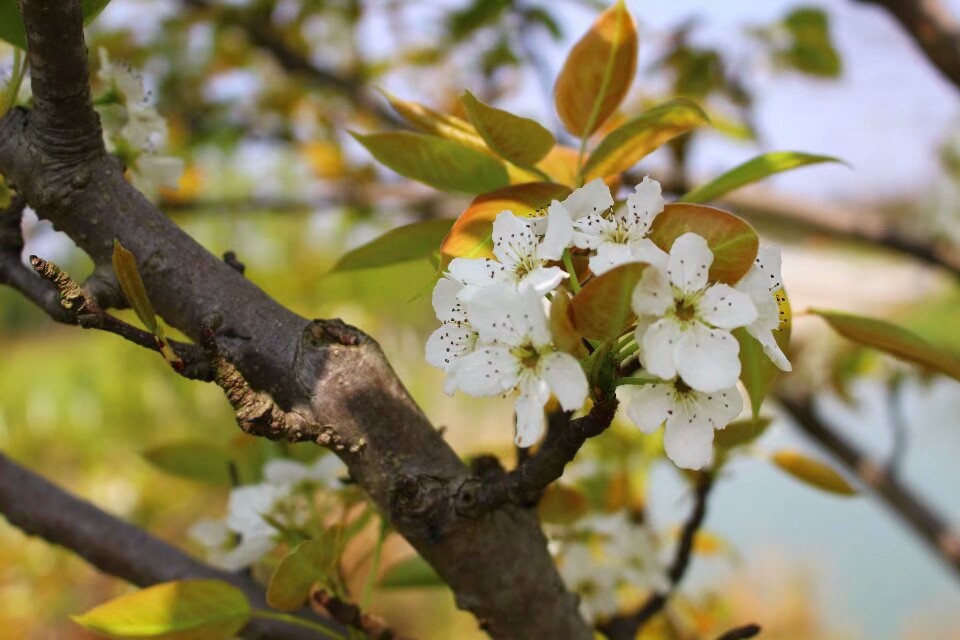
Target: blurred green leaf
442,164
813,472
194,460
752,171
893,340
476,15
409,242
626,145
409,573
519,140
740,432
811,50
182,610
310,562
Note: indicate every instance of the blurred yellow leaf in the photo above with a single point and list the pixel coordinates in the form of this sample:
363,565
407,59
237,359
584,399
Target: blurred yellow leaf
812,472
562,504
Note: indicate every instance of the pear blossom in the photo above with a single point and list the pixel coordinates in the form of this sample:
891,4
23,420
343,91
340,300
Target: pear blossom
324,472
631,547
517,353
691,417
765,288
521,254
684,323
594,582
456,337
621,238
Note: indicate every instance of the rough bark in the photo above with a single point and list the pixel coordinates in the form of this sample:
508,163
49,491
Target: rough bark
332,375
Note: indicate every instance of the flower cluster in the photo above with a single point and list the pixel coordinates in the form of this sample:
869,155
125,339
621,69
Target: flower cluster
495,336
259,515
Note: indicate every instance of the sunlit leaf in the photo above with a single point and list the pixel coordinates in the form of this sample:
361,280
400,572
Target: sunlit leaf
471,234
740,432
732,240
11,24
562,504
601,310
522,141
561,165
893,340
182,610
409,242
412,572
753,171
630,142
128,275
443,164
310,562
812,472
597,73
434,122
564,334
194,460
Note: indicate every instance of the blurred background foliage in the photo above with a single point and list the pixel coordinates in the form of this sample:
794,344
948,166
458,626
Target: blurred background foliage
259,97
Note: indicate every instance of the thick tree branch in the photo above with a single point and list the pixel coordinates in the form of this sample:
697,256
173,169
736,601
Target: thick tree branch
332,375
910,508
39,508
933,28
625,627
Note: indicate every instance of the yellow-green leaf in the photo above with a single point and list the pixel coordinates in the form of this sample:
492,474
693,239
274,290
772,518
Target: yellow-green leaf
753,171
310,562
522,141
412,572
601,310
812,472
194,460
125,266
562,504
446,165
409,242
893,340
470,236
182,610
732,240
740,432
431,121
630,142
597,74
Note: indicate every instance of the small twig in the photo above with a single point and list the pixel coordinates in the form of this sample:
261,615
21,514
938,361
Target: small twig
350,615
625,627
741,633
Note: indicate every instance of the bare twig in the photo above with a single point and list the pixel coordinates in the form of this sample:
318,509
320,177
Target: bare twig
625,627
741,633
350,615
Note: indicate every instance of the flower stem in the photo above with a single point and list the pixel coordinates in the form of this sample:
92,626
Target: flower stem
568,265
300,622
637,380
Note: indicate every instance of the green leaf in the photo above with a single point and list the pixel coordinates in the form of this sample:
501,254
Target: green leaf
630,142
598,72
521,141
125,266
812,472
310,562
601,310
194,460
812,50
431,121
471,234
182,610
893,340
11,23
412,572
732,240
740,432
409,242
443,164
752,171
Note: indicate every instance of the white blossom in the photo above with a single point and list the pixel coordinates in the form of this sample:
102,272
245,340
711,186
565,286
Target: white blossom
621,238
517,353
631,547
455,337
522,255
593,581
765,288
684,323
324,472
153,173
690,415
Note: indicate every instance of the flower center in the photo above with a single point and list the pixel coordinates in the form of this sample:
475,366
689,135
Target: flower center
686,310
527,355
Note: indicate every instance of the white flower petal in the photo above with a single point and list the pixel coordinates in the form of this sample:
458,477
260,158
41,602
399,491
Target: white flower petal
559,233
689,263
488,371
477,273
650,405
566,379
500,314
247,505
772,350
707,359
531,421
249,551
657,347
445,302
652,295
644,205
724,307
589,231
542,279
514,241
212,534
720,407
593,197
449,342
610,255
644,250
285,472
688,437
768,259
